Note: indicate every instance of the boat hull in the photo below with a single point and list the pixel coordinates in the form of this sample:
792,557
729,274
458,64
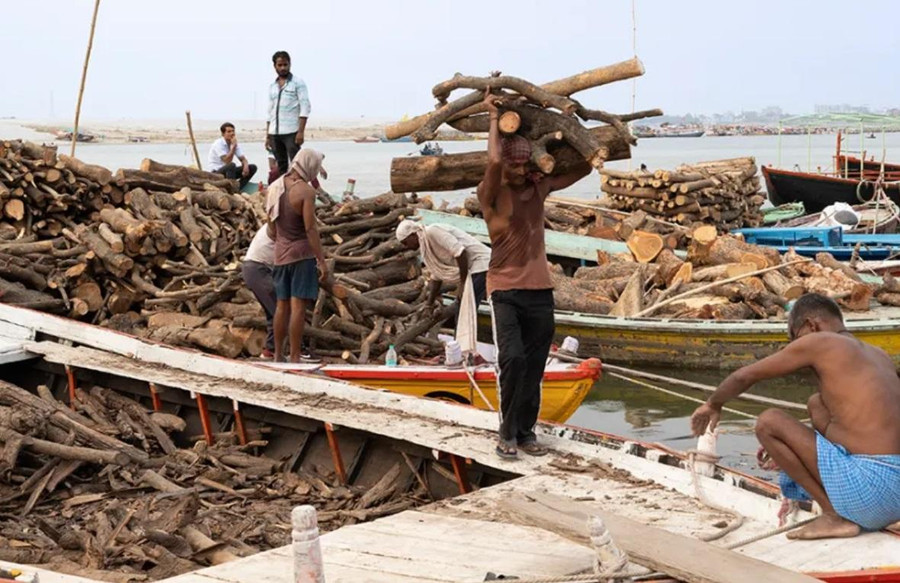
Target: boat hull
815,191
698,344
564,387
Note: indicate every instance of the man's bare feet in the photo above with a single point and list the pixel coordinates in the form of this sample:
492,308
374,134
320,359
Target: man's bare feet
826,526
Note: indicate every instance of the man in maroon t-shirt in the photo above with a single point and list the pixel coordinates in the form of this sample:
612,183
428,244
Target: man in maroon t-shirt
518,280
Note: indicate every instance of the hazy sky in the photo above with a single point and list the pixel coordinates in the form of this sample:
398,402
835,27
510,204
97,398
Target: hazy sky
380,58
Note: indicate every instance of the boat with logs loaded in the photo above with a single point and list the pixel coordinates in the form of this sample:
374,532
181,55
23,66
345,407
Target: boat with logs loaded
398,482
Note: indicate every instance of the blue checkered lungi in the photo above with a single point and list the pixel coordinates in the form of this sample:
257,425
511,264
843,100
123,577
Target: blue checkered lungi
864,489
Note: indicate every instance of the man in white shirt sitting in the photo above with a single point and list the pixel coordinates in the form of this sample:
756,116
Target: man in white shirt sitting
222,155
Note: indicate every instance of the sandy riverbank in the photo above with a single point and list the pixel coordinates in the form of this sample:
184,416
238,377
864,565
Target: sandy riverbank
161,132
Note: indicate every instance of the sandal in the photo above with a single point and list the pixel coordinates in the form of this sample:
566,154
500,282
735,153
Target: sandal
507,451
534,449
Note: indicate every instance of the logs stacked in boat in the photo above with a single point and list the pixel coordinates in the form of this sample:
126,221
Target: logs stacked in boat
723,192
546,115
722,278
78,240
593,220
113,492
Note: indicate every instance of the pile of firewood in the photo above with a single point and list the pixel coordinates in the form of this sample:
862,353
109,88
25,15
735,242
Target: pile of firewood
723,192
547,115
592,220
722,277
79,240
369,302
104,492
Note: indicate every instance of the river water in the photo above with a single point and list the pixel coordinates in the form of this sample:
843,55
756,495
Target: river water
613,406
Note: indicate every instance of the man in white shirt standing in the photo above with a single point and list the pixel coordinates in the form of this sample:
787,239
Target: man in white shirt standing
257,271
223,153
288,110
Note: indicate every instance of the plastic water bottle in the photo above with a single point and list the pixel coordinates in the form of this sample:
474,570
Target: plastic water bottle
348,190
390,358
452,353
569,346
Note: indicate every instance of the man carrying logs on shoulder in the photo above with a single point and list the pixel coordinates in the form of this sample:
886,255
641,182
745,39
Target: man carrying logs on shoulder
451,255
291,206
518,281
849,460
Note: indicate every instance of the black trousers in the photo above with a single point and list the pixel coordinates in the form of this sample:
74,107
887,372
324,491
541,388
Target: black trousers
284,148
258,278
236,172
523,332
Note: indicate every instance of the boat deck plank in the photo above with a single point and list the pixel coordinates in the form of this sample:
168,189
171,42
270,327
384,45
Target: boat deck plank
415,546
660,507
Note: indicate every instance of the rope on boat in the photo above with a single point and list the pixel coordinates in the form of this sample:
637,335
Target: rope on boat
476,387
674,393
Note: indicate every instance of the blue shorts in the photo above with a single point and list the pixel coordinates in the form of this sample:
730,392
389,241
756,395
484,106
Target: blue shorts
299,279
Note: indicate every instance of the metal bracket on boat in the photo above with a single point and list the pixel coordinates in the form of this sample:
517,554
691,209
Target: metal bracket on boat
460,472
239,423
70,376
154,398
336,453
205,421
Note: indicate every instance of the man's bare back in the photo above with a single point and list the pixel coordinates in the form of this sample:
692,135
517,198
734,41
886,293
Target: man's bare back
860,394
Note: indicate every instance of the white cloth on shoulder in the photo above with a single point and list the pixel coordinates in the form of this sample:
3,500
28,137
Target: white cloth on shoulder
308,165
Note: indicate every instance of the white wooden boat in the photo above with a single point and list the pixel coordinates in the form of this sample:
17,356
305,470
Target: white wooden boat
656,507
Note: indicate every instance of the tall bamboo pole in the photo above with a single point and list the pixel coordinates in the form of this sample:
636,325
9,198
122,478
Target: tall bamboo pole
193,141
87,58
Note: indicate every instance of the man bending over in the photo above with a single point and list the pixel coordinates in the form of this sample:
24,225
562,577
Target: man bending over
849,461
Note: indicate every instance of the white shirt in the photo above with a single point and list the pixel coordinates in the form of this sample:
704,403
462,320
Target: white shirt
221,148
448,243
287,104
262,248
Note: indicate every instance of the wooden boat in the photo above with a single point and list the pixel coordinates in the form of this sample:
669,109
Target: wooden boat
849,167
564,387
808,241
817,191
785,212
874,217
701,344
655,500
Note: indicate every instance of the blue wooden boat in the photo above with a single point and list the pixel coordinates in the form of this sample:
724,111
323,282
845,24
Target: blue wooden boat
808,241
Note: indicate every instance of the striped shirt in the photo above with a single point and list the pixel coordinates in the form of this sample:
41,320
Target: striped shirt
287,104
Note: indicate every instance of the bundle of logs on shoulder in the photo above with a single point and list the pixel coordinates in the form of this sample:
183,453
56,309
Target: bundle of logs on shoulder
722,278
722,192
546,114
111,492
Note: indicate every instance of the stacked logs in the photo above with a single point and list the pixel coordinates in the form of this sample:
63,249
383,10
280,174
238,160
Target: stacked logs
723,192
79,240
561,143
592,220
722,278
114,493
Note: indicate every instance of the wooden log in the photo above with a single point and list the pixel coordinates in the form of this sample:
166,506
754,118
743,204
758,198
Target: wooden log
542,158
148,165
645,246
672,269
728,249
170,181
116,263
631,223
98,174
376,204
114,240
630,302
460,171
782,286
567,86
14,209
220,342
388,274
67,452
89,292
509,122
828,260
195,233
